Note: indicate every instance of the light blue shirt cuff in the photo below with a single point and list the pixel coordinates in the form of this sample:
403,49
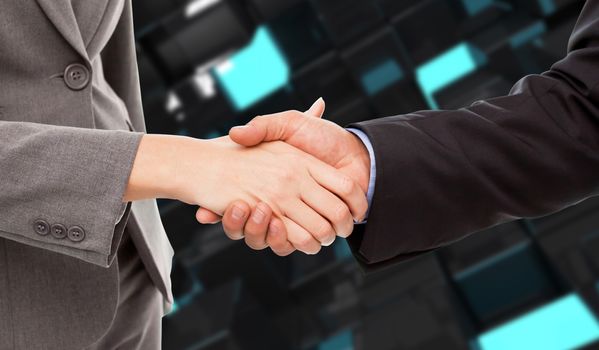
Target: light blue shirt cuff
366,141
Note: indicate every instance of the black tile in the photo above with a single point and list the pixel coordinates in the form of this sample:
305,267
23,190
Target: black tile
422,40
329,78
344,20
300,35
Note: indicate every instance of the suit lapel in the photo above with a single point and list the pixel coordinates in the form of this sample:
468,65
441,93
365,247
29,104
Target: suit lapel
62,16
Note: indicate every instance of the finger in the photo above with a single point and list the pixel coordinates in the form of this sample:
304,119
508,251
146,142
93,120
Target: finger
277,238
265,128
205,216
301,239
311,221
341,185
235,218
257,226
317,109
330,207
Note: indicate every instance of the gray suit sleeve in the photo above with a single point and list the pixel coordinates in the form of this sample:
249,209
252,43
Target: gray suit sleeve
55,177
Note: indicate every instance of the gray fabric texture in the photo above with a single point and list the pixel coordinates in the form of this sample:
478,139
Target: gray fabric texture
137,324
65,158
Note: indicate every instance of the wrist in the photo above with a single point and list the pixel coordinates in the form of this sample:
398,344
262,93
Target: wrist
155,171
361,157
197,170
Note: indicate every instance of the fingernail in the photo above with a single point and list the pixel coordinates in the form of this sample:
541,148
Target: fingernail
237,213
258,216
326,244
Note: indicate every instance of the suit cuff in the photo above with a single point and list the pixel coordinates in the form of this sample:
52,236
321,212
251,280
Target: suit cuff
77,209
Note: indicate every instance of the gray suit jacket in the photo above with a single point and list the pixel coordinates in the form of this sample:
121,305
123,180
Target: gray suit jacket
62,178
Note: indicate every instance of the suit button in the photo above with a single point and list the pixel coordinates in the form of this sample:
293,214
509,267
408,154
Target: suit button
58,231
76,234
76,76
41,227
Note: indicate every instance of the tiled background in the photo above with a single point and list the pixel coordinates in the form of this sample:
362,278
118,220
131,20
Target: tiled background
207,65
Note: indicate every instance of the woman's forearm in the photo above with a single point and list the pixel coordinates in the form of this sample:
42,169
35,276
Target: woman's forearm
156,170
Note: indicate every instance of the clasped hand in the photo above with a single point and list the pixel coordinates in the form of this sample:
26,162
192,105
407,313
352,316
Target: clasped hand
314,201
295,183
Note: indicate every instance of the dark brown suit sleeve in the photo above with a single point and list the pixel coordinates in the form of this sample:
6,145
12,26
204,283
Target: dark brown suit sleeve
442,175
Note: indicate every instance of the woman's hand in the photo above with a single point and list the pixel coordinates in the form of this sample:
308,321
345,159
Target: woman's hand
313,200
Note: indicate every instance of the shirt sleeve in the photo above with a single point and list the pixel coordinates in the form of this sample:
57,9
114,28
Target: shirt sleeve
371,182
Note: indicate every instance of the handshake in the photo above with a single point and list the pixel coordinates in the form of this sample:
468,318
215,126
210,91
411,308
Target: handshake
289,181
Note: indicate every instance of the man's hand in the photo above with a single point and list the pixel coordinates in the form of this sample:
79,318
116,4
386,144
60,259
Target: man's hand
310,133
323,139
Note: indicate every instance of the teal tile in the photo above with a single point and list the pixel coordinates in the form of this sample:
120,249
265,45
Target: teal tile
566,323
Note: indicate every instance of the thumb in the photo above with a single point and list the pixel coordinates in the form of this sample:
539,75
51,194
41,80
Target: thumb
317,109
273,127
249,135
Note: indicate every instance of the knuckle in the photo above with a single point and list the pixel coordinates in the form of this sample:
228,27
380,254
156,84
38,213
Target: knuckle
304,241
341,214
346,185
276,231
254,232
254,236
275,244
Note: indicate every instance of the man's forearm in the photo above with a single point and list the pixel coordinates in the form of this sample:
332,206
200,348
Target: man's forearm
523,155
